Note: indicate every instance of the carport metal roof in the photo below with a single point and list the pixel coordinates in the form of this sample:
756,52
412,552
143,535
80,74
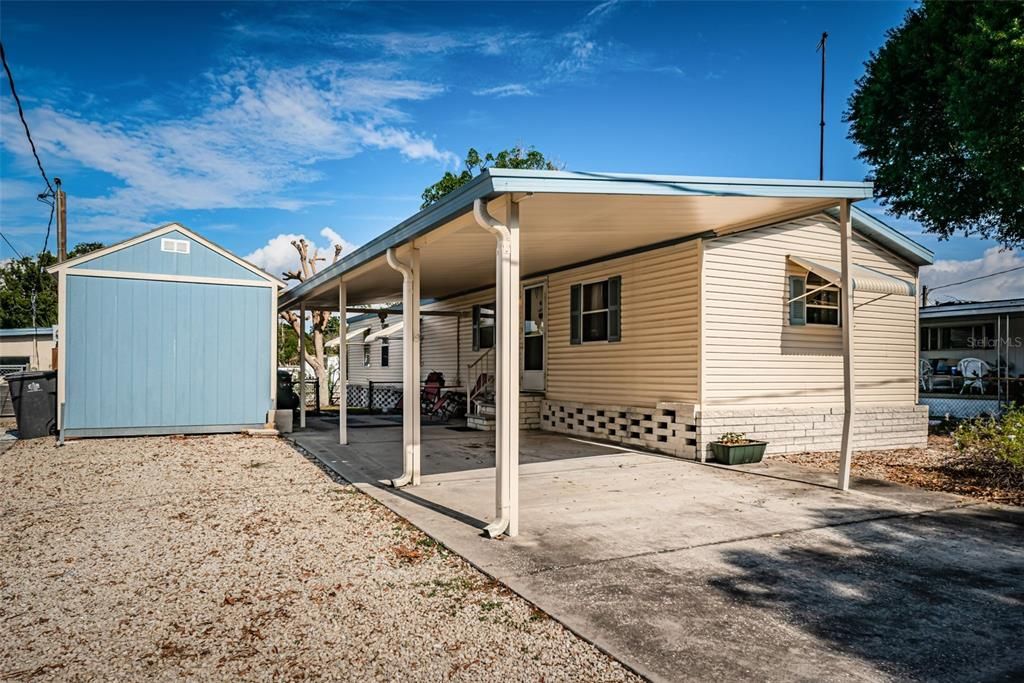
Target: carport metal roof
570,218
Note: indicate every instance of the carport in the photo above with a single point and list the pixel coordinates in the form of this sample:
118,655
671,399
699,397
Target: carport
507,225
690,571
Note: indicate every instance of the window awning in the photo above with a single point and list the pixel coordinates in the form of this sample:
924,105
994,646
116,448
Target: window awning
864,279
353,334
385,333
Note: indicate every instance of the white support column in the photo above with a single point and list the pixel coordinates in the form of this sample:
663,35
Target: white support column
410,366
510,337
342,363
506,441
849,377
411,316
302,366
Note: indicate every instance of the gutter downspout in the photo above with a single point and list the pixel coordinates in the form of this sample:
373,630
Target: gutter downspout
410,367
507,357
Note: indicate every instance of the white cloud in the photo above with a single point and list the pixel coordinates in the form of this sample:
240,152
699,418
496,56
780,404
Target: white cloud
947,271
406,43
259,136
278,254
507,90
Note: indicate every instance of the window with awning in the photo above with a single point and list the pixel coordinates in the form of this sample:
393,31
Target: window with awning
351,336
385,333
864,279
815,298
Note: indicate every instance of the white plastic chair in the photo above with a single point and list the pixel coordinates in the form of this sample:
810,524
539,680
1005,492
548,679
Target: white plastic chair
973,370
926,373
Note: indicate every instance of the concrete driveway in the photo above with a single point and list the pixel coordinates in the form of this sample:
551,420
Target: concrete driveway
685,571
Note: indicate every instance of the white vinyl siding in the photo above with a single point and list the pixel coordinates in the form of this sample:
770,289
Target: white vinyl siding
447,342
753,356
360,374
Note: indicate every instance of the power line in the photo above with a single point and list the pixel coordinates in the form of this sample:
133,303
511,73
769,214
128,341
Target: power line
21,113
13,248
973,279
49,224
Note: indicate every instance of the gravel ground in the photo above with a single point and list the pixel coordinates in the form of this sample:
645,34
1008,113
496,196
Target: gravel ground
931,468
229,558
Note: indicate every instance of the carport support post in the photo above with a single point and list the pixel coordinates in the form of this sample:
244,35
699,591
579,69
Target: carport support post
506,438
410,365
342,363
302,366
849,380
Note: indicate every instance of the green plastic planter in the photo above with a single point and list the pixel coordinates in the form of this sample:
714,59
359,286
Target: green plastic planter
738,454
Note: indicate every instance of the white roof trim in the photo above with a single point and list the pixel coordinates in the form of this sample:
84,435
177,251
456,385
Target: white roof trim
385,333
352,334
864,279
163,230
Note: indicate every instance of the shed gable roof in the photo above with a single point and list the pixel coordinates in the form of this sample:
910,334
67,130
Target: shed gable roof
106,258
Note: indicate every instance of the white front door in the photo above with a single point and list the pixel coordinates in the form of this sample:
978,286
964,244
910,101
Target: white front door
533,338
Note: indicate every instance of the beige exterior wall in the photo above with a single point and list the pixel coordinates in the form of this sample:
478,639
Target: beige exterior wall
657,359
37,348
753,357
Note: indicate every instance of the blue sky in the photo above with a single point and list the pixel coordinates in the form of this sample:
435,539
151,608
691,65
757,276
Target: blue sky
250,123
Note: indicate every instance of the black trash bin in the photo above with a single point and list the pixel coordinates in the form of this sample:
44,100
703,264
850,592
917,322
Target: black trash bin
34,395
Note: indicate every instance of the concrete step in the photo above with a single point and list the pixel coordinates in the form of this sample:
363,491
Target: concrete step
483,423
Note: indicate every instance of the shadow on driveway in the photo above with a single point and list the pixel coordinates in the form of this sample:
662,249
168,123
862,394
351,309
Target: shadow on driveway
935,597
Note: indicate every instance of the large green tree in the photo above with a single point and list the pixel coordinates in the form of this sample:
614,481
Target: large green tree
24,278
939,114
516,157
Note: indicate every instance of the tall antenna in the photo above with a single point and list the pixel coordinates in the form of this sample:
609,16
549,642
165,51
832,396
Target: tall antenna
821,140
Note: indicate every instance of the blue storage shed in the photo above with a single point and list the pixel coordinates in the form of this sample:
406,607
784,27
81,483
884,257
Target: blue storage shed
164,333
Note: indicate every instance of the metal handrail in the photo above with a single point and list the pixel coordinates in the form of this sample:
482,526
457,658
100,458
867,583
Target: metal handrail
471,380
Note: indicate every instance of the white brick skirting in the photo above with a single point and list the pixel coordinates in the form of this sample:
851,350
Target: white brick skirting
685,431
799,430
668,428
529,415
529,410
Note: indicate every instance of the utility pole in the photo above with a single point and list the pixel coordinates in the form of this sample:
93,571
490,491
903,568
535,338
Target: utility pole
61,209
821,140
924,295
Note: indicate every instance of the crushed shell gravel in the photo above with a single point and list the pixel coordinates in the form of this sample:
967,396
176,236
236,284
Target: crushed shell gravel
234,558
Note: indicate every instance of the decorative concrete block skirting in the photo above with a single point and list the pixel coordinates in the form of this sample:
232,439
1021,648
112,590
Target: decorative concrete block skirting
799,430
669,428
685,431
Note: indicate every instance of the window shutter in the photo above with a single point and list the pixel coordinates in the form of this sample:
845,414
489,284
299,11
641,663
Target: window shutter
798,307
476,327
615,308
576,314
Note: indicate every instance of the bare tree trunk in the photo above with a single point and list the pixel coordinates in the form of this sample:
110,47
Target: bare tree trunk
318,319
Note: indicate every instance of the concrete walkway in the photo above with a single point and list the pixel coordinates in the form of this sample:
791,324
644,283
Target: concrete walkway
695,572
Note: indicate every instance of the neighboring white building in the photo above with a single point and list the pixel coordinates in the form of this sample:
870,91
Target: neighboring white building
990,331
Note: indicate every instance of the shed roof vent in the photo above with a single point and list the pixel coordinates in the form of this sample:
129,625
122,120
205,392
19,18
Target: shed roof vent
175,246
